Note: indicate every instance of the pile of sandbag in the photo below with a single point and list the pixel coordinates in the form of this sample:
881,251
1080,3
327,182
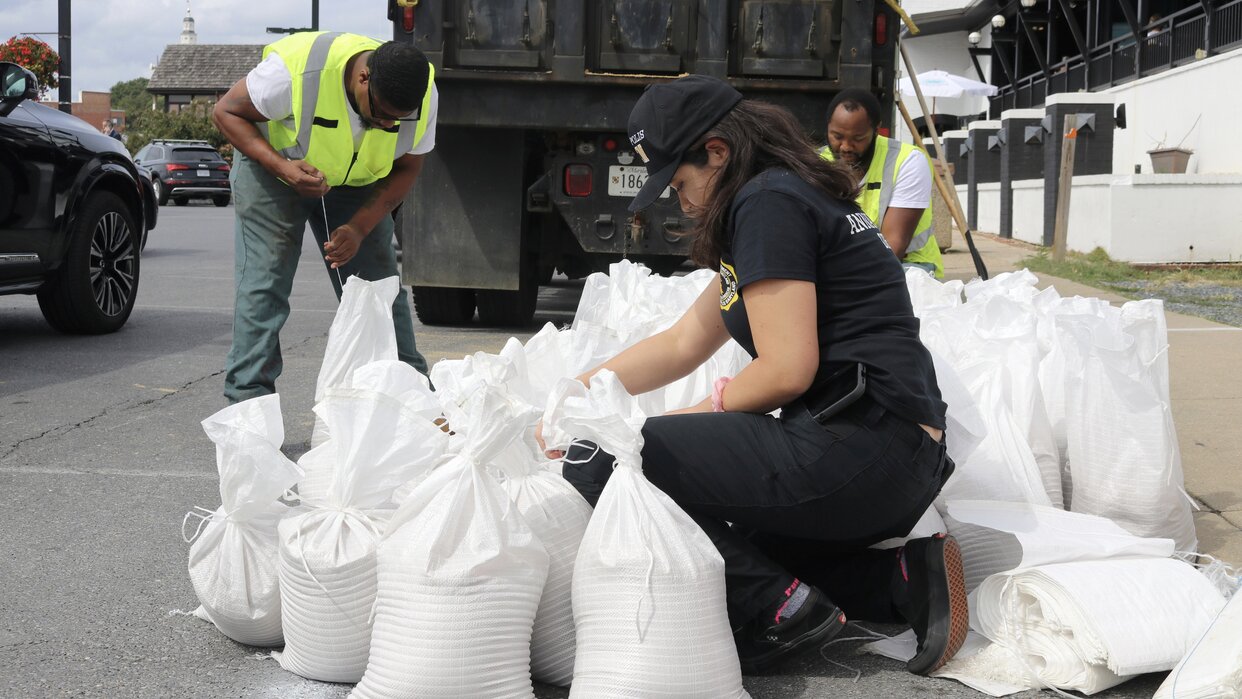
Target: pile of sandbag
1070,508
432,559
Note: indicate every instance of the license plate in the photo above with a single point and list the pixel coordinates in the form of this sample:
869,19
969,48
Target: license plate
204,173
626,180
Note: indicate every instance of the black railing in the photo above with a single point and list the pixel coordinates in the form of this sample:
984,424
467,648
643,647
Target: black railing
1227,27
1176,40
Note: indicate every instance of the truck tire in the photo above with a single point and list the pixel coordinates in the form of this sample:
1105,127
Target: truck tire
93,292
510,308
441,305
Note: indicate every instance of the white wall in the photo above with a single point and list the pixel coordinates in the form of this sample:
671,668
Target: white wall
1028,211
988,216
1176,218
1140,218
1165,107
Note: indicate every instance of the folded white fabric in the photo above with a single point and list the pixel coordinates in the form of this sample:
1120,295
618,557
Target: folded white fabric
1213,667
1088,625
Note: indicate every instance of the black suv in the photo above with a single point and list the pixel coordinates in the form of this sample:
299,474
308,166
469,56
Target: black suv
74,212
181,170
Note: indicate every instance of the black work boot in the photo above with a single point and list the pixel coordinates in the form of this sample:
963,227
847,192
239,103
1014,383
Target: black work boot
765,642
929,591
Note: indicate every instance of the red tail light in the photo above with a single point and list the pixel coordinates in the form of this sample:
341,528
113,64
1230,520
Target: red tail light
407,19
175,166
883,131
225,167
881,29
578,180
610,144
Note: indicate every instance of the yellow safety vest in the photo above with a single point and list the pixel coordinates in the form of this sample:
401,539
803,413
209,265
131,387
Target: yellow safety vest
878,191
321,134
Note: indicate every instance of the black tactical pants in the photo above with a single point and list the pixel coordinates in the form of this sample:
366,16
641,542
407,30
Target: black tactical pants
790,498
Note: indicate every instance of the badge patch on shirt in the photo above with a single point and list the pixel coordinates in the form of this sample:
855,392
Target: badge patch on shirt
728,286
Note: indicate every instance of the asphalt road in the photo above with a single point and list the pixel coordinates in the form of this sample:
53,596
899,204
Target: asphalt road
101,454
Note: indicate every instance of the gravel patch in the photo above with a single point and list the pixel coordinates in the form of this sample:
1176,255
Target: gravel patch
1221,303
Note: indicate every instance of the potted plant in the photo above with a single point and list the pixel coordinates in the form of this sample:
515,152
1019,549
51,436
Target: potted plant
1170,160
1166,160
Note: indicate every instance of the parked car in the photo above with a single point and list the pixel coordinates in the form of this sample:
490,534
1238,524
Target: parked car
181,170
150,203
72,213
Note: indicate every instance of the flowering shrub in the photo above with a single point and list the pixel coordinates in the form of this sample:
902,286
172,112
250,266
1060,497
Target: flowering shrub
35,56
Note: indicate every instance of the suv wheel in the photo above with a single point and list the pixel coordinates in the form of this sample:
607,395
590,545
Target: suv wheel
161,192
220,201
93,291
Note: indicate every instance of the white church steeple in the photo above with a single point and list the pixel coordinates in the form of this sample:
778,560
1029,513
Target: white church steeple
188,36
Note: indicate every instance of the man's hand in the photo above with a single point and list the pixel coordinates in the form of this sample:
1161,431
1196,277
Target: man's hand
304,178
343,245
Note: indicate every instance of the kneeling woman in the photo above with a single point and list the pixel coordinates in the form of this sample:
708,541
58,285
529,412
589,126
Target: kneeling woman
811,290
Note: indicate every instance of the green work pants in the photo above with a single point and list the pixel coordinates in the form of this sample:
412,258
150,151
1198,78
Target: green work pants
271,219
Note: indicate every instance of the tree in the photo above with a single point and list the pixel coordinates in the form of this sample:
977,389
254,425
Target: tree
131,97
193,122
35,56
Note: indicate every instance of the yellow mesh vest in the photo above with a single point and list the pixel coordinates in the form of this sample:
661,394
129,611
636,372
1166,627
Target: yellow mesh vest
877,189
321,134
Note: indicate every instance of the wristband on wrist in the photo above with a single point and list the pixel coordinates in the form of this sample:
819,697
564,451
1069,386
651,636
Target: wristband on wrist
718,393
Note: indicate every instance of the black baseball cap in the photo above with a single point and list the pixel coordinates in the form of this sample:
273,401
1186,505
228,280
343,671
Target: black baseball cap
667,120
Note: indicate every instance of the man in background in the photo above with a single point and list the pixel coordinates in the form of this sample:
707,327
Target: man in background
896,176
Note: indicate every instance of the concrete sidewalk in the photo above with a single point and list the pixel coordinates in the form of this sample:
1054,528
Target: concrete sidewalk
1205,386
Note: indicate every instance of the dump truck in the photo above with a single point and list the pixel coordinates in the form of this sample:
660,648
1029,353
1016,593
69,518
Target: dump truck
532,171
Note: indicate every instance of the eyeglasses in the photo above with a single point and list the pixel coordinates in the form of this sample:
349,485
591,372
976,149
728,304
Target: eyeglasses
412,116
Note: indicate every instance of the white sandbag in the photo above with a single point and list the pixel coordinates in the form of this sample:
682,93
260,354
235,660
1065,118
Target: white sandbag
361,332
460,576
648,587
390,377
1089,625
1018,285
327,555
1212,669
965,427
233,563
1123,453
991,346
558,515
927,292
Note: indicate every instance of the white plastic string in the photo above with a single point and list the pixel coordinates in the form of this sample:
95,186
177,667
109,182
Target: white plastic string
638,623
581,442
203,515
347,511
327,232
869,636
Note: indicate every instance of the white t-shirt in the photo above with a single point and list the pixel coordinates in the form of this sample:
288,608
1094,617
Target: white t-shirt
271,91
913,187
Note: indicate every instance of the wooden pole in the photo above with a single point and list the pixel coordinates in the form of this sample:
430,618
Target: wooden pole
941,186
950,195
1065,185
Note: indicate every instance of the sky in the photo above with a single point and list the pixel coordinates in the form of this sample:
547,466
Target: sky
118,40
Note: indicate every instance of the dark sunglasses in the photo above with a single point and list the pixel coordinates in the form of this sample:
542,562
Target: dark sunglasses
412,116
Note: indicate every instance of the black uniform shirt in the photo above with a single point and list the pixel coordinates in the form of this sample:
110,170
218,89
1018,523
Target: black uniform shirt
784,228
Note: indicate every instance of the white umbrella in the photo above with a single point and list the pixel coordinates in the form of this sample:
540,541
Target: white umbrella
938,83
